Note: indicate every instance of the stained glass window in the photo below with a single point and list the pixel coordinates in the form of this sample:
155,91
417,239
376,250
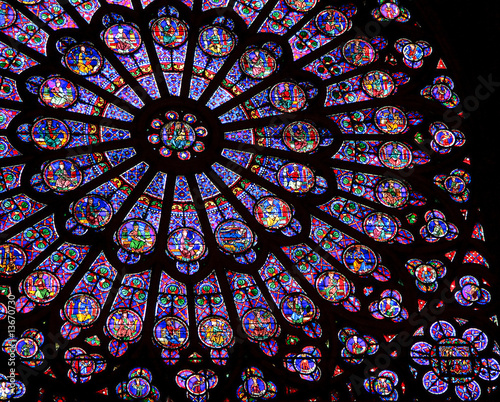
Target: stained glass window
237,201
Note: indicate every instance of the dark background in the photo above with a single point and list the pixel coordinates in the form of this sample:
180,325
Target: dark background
469,34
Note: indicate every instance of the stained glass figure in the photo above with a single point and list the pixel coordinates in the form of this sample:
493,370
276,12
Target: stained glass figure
255,386
11,390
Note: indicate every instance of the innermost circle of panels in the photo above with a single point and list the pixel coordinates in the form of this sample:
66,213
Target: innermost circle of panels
178,135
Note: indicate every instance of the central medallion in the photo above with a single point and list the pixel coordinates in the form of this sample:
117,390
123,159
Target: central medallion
178,134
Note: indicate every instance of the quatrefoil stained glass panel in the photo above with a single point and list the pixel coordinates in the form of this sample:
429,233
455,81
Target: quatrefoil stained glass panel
235,201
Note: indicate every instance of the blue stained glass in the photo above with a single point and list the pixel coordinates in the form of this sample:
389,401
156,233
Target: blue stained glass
125,3
249,10
207,188
23,30
188,186
326,25
86,8
375,84
6,115
241,158
14,210
157,187
113,134
391,193
172,298
220,97
14,61
8,89
62,263
211,301
207,5
125,322
235,114
244,136
116,113
182,193
6,149
98,283
215,41
228,176
279,285
134,175
173,81
10,177
284,97
149,208
252,298
116,191
341,60
184,215
85,60
36,238
284,16
198,85
51,13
